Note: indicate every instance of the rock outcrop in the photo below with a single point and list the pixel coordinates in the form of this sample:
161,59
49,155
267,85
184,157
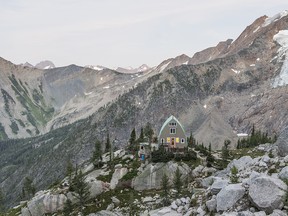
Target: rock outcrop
44,203
282,142
151,177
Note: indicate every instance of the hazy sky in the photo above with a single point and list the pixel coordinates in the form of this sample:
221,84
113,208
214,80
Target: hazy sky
121,32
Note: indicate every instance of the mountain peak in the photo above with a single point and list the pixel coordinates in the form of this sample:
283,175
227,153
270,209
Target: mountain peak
45,65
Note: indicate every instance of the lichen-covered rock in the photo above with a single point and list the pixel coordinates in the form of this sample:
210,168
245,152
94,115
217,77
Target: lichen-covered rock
229,196
267,193
97,187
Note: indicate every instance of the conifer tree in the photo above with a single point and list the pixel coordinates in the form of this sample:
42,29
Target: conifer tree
177,181
132,140
191,140
233,175
1,201
80,187
141,137
107,144
165,188
68,208
69,169
28,189
148,131
97,154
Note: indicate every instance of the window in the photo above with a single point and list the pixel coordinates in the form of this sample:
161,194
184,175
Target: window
172,130
162,140
172,123
177,139
168,139
182,140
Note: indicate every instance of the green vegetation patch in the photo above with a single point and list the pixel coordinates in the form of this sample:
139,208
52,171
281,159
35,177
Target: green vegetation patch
3,135
37,111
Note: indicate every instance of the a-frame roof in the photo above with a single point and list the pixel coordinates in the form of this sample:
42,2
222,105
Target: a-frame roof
168,120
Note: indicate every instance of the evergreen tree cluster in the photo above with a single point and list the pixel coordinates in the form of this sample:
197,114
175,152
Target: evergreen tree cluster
162,155
146,135
256,138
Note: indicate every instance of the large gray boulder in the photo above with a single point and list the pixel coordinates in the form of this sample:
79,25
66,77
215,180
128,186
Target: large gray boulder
218,184
151,176
97,187
229,196
117,175
46,203
282,142
267,193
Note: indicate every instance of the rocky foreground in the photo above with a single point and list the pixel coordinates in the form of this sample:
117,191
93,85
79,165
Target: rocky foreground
258,188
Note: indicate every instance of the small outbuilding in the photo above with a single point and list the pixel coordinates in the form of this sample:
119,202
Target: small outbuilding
172,135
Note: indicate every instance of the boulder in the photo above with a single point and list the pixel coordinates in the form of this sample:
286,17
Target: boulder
282,142
278,212
207,182
104,213
229,196
260,213
25,212
286,159
151,176
110,207
97,187
217,185
174,206
115,200
267,193
46,203
211,204
117,175
197,171
283,175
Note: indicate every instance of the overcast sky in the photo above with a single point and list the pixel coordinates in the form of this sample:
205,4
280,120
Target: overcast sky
121,32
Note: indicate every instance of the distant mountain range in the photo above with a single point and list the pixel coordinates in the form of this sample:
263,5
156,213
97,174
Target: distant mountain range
41,65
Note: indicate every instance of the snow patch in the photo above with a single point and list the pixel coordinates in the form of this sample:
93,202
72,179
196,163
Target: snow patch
256,29
205,106
48,67
242,134
278,16
258,59
106,87
164,66
95,67
252,65
101,78
89,93
235,71
282,38
185,63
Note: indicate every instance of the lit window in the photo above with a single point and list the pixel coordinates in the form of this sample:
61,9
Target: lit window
168,139
177,139
182,140
172,130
